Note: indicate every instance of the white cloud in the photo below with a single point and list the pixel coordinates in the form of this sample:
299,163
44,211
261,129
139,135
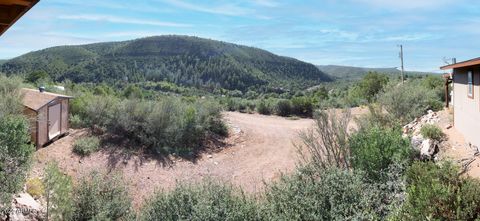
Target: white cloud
266,3
115,19
224,9
407,4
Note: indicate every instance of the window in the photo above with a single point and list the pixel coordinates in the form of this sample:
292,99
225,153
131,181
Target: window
470,84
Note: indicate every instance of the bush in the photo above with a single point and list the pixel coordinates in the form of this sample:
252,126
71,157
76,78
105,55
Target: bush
264,108
101,197
326,144
410,100
438,192
370,85
284,108
58,193
15,155
86,145
35,187
321,194
152,124
375,148
76,121
302,106
206,201
432,132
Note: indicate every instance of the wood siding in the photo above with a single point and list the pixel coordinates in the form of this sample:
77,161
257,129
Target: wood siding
65,112
42,130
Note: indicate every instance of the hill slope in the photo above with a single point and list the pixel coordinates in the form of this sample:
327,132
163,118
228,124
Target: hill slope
355,73
183,60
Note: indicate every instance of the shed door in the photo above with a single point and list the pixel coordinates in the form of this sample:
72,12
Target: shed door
54,120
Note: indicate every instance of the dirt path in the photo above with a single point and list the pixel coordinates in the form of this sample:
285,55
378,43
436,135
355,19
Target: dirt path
260,149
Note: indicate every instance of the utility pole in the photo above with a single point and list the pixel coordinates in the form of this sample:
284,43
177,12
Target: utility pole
401,60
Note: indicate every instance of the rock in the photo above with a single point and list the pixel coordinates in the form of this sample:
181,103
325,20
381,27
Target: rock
24,207
209,156
216,163
448,126
417,141
428,149
25,200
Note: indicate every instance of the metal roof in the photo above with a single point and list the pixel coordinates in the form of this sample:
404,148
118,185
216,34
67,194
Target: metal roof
12,10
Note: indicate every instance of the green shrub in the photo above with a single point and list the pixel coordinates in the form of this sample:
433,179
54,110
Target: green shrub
370,85
35,187
76,121
302,106
151,123
284,108
432,132
10,96
438,192
375,148
321,194
85,146
99,197
410,100
15,155
264,108
206,201
58,193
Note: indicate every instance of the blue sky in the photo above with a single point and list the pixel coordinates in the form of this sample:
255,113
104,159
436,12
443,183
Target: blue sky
342,32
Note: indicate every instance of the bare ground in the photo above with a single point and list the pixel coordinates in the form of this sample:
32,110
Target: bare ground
259,149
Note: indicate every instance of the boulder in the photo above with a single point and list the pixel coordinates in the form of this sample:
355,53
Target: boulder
428,149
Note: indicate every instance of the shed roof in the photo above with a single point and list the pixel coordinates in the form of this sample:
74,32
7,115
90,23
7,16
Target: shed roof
34,99
12,10
471,62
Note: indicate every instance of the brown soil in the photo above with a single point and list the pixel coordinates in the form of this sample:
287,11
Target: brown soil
457,149
260,148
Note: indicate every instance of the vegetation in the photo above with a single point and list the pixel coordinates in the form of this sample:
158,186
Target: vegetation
86,145
375,148
101,197
183,60
409,100
432,131
206,201
438,192
15,150
58,193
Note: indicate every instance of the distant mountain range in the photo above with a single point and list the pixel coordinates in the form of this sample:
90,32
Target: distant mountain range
354,73
184,60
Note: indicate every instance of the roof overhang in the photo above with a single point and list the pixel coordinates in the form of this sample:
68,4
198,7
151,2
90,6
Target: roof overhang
471,62
12,10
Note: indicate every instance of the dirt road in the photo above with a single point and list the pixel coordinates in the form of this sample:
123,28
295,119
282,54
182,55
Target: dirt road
260,148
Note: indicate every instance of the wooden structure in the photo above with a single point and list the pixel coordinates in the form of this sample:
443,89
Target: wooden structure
48,115
12,10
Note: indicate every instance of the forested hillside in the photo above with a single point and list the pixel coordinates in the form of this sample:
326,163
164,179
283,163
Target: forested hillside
183,60
356,73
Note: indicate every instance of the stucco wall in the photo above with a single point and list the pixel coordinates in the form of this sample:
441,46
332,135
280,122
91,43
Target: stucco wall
467,110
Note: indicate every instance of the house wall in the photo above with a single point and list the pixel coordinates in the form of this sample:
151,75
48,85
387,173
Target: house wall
466,109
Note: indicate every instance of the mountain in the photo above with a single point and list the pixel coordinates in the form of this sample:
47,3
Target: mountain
2,61
355,73
184,60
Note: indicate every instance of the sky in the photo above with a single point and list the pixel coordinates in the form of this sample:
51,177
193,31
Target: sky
339,32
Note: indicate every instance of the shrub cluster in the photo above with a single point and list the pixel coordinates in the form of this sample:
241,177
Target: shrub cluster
410,100
432,131
167,125
86,145
15,150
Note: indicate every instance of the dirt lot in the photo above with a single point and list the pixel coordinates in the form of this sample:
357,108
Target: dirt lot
259,149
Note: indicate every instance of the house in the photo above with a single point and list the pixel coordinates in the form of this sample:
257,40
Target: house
465,77
12,10
47,113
